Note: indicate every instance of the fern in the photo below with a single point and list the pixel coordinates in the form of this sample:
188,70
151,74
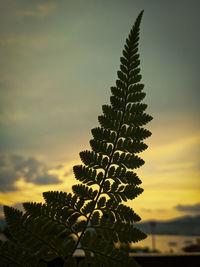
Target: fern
93,218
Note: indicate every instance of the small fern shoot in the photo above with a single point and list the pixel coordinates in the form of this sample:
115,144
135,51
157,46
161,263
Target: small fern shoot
94,218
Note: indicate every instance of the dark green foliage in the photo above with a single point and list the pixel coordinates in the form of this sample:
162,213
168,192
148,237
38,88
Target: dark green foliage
15,255
93,218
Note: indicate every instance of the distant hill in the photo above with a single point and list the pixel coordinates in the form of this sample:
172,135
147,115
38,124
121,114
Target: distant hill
186,225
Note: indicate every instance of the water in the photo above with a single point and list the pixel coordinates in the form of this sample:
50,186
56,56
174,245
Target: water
168,243
163,243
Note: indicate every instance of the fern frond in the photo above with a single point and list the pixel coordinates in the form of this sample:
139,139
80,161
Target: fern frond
127,160
84,192
120,211
126,214
12,254
105,135
134,133
118,231
101,147
115,144
124,192
121,174
127,145
93,219
68,206
93,159
35,235
58,218
86,175
98,252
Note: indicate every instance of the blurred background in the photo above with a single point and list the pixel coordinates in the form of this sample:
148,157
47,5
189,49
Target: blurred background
58,61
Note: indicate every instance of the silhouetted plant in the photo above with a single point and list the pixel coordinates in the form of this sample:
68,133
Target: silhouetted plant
93,218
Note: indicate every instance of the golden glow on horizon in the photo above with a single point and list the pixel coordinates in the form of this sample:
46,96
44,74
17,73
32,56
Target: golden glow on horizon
168,178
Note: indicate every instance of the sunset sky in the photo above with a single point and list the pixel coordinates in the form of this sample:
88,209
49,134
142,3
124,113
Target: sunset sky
58,62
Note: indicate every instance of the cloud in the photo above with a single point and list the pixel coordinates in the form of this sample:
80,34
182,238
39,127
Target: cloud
7,179
46,178
39,11
14,167
60,166
23,43
68,172
34,9
188,208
